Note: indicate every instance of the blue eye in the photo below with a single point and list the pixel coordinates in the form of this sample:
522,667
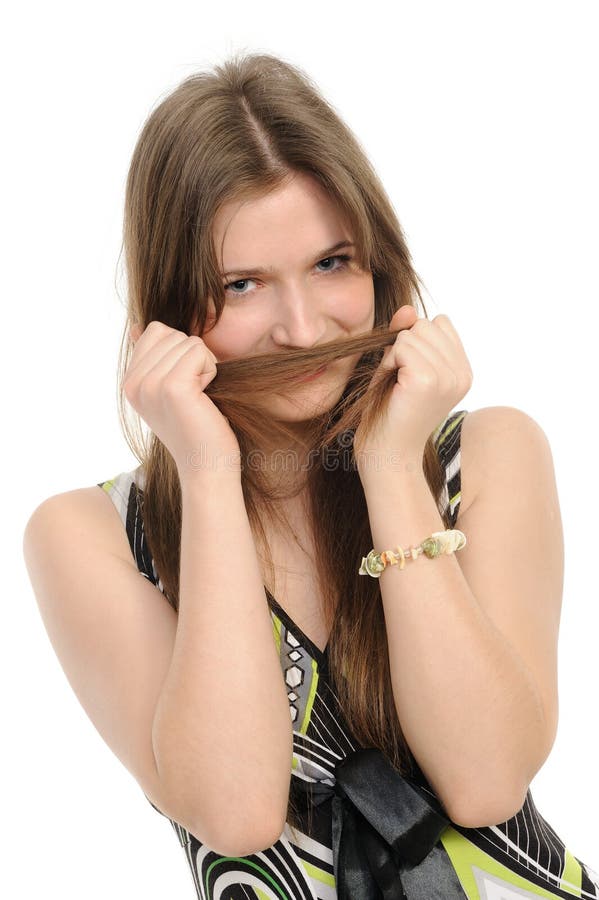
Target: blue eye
238,282
342,259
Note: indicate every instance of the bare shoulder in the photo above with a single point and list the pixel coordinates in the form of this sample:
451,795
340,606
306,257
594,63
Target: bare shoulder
513,560
493,438
88,510
110,628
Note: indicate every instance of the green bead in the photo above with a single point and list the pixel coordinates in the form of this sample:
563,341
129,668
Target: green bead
372,565
431,547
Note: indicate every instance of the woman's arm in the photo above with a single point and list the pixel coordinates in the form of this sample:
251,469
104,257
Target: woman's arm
473,635
222,730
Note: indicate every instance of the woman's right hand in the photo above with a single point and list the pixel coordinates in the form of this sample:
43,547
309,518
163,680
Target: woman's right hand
165,383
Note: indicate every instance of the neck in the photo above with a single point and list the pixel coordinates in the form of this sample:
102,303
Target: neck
285,464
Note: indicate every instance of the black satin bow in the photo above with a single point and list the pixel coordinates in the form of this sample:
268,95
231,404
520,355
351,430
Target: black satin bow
385,833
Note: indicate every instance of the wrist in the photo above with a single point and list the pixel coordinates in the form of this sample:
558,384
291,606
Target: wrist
202,462
205,479
383,471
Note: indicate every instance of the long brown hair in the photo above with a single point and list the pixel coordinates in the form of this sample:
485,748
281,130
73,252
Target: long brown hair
238,132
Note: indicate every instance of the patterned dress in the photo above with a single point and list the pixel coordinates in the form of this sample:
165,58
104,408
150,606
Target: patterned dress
521,857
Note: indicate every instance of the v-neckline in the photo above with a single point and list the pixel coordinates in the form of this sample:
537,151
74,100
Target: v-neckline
320,655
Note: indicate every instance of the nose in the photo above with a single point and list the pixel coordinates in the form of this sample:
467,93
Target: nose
299,320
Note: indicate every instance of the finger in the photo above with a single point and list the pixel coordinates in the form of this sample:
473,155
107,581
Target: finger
412,363
154,332
436,337
425,355
431,341
146,355
445,325
404,317
196,367
199,363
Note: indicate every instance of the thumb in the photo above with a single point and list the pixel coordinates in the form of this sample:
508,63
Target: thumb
404,317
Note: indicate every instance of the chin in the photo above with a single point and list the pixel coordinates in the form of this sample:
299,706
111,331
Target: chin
306,401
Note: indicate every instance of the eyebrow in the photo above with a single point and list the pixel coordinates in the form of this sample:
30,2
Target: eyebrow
270,270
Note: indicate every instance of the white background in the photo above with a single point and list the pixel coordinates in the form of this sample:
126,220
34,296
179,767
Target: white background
481,120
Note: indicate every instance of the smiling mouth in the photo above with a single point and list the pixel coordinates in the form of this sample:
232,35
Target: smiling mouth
313,375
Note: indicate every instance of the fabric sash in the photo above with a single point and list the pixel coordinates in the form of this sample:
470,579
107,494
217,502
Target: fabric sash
386,832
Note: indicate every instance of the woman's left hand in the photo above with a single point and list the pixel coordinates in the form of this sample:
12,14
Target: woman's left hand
433,375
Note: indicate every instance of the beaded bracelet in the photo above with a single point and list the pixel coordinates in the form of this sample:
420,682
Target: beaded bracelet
438,543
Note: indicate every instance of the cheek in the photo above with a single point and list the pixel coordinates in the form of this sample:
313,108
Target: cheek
359,307
228,339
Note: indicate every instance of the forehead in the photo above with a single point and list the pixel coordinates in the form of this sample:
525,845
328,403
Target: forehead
299,213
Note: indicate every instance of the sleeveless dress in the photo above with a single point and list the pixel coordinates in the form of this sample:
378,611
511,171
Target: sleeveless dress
521,857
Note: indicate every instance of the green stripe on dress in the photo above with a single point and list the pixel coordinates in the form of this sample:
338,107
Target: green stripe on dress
311,695
472,864
444,434
318,874
572,875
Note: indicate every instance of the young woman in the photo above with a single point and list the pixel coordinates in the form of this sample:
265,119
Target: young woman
338,676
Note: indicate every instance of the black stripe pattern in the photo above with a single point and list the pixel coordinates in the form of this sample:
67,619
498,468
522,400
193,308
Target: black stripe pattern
522,857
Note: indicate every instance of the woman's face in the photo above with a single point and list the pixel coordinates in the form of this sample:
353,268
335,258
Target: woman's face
304,294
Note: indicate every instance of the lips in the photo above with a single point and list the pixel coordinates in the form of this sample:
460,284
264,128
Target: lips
313,375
